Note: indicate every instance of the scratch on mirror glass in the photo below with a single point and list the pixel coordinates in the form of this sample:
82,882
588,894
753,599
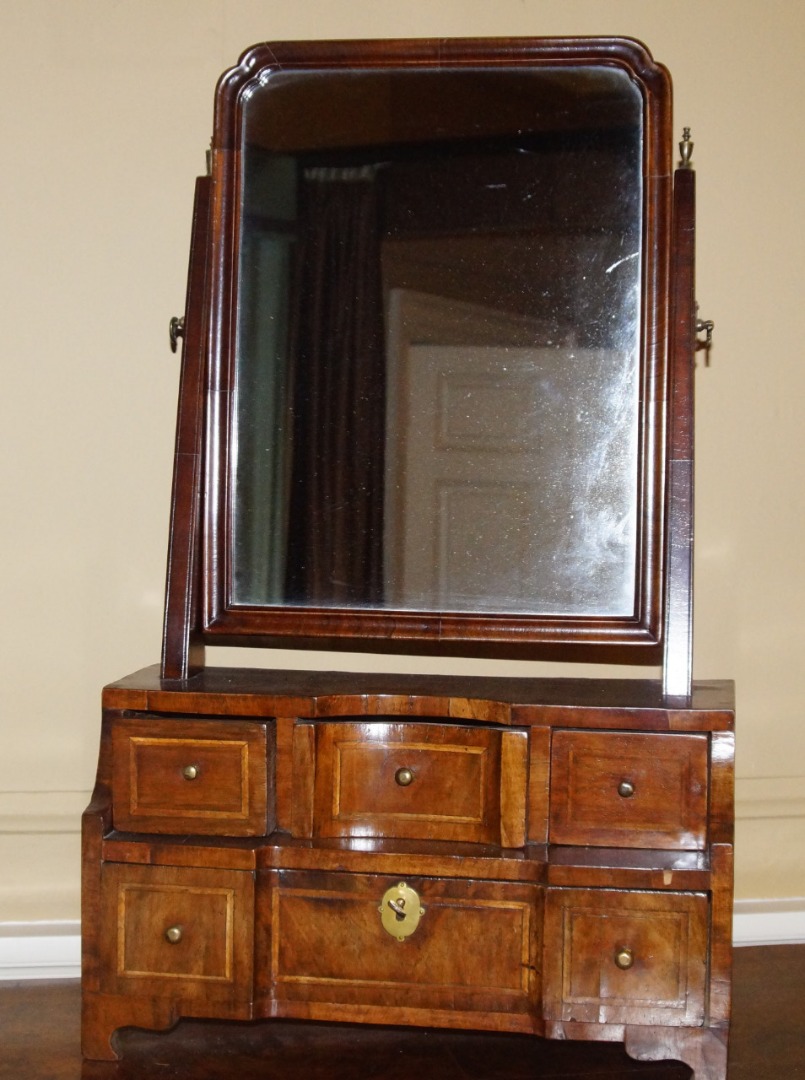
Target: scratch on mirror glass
626,258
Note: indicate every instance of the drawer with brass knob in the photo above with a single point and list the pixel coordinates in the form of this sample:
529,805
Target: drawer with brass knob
428,781
629,789
625,957
178,930
192,776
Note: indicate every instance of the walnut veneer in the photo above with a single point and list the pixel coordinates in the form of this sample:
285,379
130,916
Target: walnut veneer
573,864
544,856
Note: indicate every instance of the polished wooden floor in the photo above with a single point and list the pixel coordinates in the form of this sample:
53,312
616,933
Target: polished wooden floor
39,1041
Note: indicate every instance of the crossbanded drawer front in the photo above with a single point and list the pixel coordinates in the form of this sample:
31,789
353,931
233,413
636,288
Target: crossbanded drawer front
635,790
178,776
474,946
625,957
178,930
420,781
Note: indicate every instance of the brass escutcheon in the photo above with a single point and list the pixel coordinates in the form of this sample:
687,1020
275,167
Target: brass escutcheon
400,911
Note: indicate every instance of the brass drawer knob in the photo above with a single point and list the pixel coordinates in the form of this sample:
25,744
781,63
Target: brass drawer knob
404,777
626,789
173,934
190,772
400,911
624,957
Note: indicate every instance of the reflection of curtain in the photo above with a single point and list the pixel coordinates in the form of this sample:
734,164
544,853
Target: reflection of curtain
338,396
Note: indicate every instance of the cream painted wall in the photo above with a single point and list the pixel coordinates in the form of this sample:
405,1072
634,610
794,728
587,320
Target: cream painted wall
105,115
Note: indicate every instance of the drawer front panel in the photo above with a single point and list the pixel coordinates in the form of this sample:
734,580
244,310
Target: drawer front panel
201,777
629,790
177,930
419,781
627,958
474,947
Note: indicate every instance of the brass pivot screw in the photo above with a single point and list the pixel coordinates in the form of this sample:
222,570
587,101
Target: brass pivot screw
190,772
173,935
175,331
626,789
404,777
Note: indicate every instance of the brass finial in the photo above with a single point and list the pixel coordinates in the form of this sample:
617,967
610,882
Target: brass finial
685,150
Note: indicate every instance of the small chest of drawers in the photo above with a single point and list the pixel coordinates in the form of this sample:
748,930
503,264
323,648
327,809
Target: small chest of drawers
495,862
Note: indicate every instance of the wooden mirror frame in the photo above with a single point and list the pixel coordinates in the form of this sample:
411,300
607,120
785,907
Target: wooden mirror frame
198,609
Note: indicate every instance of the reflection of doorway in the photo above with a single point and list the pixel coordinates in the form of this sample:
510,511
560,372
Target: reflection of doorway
511,467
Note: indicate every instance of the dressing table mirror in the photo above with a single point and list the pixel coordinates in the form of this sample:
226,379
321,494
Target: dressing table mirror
436,398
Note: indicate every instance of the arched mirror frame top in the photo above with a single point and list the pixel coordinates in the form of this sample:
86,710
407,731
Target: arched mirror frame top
206,598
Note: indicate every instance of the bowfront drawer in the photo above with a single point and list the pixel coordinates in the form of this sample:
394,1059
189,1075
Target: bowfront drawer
191,776
380,944
177,930
425,781
625,958
632,790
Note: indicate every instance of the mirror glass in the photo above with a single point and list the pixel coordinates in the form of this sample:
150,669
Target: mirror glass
437,368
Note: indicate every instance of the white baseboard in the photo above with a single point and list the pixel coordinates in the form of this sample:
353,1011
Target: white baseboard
769,922
40,950
52,950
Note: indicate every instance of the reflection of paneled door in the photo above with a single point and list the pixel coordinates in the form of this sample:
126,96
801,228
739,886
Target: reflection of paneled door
500,490
464,491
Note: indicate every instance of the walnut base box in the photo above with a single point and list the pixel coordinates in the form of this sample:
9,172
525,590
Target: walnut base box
543,856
